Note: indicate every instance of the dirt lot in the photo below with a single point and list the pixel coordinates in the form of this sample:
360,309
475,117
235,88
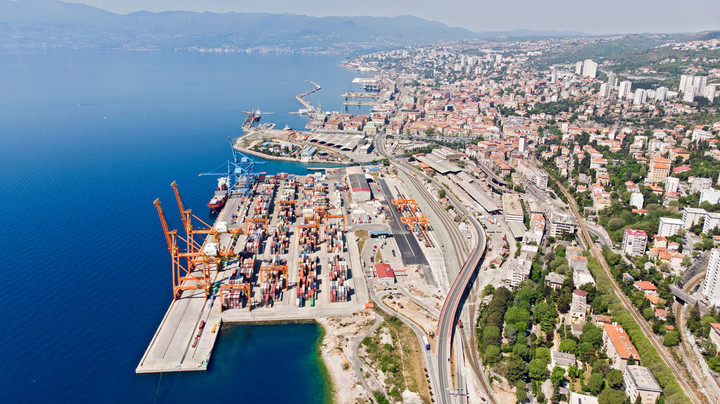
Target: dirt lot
416,314
338,332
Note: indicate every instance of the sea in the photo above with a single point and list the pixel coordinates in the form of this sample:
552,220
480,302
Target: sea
88,140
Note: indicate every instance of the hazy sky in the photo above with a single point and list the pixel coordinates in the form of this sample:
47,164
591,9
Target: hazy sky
595,17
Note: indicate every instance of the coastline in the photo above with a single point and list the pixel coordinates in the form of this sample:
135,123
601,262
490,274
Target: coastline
290,159
267,156
324,371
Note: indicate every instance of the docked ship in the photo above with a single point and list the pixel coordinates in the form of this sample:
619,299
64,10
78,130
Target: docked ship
221,195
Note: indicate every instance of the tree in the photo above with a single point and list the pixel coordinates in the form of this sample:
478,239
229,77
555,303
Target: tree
489,290
492,354
491,336
614,379
522,350
558,375
516,370
538,369
511,335
592,335
520,392
516,314
568,345
543,354
595,383
611,396
671,339
441,193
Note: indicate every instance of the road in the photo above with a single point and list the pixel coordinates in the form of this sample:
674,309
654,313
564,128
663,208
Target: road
666,357
449,312
419,333
491,175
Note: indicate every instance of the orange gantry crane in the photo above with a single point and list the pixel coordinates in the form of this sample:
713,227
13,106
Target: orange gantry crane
190,267
192,230
243,287
419,220
293,203
273,268
330,217
256,220
403,203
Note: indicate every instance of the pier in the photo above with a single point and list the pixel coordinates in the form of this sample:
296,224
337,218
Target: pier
301,97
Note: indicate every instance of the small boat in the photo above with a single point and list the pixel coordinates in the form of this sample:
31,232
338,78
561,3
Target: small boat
221,195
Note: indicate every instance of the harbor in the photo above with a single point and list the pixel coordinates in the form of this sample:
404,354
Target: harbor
279,252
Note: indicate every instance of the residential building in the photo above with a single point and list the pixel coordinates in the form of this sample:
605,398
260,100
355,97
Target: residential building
640,97
661,94
715,335
647,287
711,285
710,195
639,381
554,280
533,174
692,216
579,307
512,207
671,185
604,90
578,262
577,398
562,223
637,200
634,242
618,346
669,226
712,222
562,359
699,184
582,276
659,169
624,89
589,68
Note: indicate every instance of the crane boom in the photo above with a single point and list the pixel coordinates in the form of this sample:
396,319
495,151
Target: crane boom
163,222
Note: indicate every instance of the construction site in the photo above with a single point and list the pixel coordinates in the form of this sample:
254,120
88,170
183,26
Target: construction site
283,247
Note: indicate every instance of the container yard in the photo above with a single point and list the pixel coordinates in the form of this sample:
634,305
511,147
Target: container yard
277,251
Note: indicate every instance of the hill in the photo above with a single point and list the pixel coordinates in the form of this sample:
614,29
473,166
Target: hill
56,24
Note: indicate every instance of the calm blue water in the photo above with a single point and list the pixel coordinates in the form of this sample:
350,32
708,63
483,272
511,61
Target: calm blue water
88,140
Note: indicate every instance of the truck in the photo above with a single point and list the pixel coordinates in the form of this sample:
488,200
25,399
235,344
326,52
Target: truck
426,342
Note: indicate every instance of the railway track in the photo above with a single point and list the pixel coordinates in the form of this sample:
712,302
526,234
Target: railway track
687,351
689,391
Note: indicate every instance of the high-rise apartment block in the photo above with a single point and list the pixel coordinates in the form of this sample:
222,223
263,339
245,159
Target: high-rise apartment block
589,68
711,285
624,89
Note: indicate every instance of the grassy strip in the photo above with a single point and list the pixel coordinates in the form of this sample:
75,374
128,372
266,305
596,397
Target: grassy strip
362,236
403,369
325,373
649,356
